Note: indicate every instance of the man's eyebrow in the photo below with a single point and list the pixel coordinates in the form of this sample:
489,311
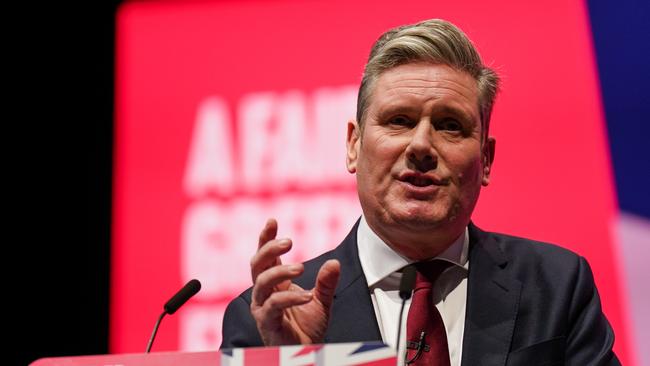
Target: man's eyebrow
454,110
398,108
446,109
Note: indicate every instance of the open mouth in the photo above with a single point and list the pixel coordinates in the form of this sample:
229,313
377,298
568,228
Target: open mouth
419,181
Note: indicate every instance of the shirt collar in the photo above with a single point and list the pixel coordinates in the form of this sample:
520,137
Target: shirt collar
378,260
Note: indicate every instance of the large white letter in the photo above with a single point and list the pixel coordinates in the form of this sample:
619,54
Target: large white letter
210,161
273,140
215,249
333,107
289,142
255,115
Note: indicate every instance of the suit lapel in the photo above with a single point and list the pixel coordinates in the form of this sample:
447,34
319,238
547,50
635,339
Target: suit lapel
492,303
353,316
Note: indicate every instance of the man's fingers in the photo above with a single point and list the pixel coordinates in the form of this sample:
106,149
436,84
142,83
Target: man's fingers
270,315
268,256
268,281
268,233
326,281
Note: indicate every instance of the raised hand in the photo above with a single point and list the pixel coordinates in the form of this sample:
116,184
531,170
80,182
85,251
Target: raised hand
284,312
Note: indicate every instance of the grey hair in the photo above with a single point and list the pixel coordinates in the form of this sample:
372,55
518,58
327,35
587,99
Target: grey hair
436,41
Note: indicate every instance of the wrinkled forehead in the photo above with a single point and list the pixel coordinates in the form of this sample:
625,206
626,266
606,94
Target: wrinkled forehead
424,79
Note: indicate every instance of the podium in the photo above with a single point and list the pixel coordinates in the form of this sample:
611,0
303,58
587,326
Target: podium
356,353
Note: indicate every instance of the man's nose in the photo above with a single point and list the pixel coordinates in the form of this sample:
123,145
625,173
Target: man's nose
420,152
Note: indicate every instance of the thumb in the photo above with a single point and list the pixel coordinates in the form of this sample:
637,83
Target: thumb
326,281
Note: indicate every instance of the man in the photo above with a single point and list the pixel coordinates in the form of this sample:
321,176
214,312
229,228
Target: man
421,152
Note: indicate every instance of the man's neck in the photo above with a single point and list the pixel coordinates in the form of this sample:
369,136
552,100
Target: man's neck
418,243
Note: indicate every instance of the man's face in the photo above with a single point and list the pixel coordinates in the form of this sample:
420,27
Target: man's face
419,158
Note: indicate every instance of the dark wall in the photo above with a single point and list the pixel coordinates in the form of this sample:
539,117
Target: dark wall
60,163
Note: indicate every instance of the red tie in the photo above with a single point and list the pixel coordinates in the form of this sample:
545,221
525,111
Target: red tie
426,339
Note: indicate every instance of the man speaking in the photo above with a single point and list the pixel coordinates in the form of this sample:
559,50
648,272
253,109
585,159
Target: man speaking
421,151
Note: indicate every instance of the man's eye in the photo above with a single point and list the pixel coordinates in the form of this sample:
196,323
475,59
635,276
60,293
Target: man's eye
400,121
449,125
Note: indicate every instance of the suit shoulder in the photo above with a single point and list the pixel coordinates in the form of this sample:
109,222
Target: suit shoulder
544,253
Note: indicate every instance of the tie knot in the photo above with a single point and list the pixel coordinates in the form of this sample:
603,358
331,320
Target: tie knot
429,271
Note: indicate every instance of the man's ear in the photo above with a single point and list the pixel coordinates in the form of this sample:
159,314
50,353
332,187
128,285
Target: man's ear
353,142
488,159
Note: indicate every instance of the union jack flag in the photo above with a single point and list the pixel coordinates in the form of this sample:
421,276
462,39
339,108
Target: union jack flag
357,353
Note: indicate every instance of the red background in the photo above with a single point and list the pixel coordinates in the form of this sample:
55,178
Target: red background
552,179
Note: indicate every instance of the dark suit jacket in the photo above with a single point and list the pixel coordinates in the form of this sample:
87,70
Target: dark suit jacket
528,303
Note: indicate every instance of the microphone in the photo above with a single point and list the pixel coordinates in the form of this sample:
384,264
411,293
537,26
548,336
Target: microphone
407,282
190,289
406,285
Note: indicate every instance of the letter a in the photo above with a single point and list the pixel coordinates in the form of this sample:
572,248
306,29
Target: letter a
210,161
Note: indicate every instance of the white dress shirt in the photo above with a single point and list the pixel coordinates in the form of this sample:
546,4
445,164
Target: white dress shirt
381,266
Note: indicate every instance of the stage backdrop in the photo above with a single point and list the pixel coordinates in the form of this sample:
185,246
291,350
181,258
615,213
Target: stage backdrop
230,112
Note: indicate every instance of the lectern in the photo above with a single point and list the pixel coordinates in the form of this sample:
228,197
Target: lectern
356,353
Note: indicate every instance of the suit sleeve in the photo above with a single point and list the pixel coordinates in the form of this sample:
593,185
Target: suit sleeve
590,338
239,329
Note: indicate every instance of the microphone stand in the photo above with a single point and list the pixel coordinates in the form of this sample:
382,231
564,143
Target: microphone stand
155,330
407,282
